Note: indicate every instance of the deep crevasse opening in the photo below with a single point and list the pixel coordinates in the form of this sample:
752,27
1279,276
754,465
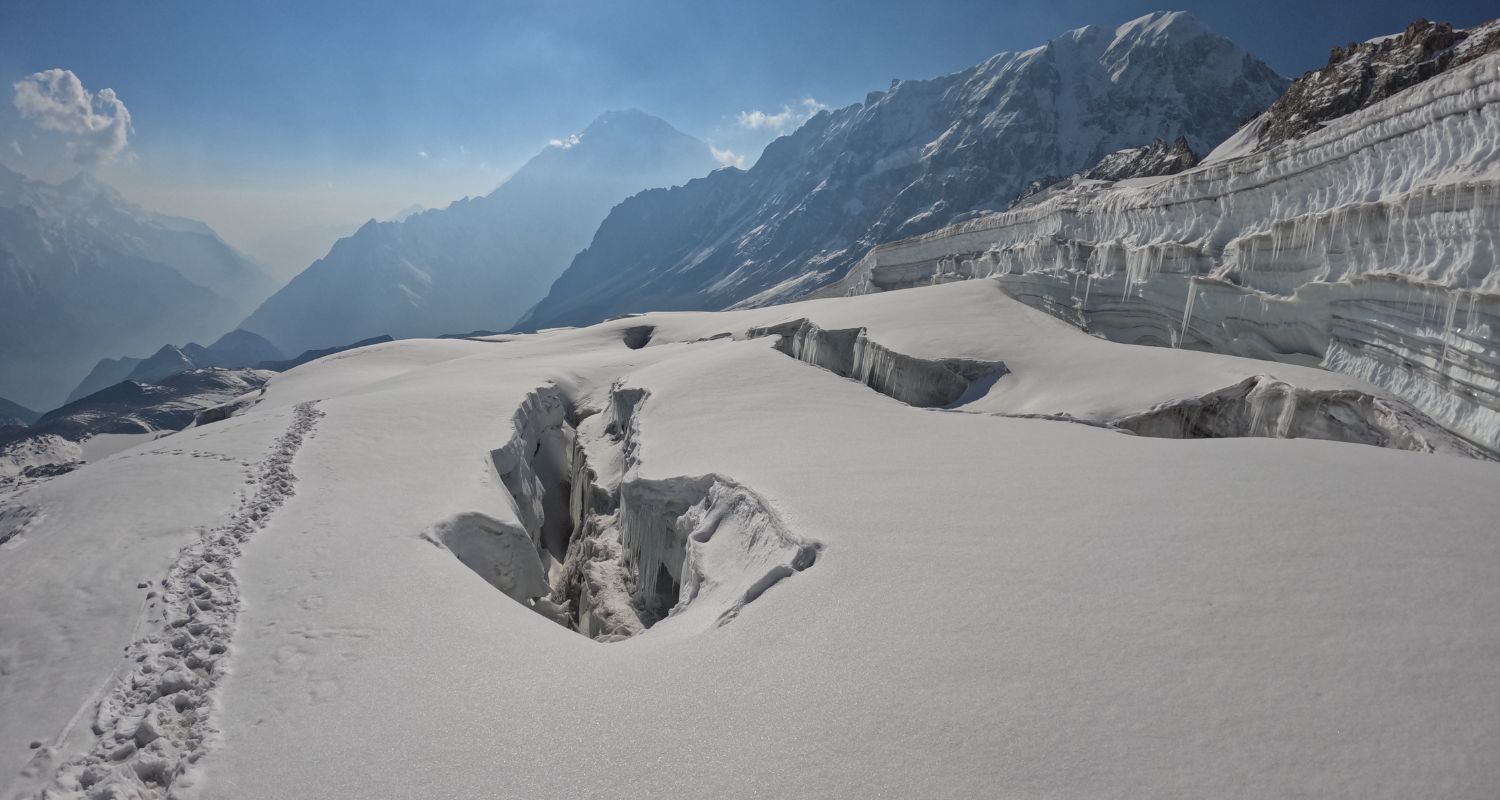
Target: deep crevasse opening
606,552
850,353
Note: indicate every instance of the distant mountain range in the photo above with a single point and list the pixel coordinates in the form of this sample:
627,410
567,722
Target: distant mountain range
924,154
85,274
286,253
15,415
480,262
235,349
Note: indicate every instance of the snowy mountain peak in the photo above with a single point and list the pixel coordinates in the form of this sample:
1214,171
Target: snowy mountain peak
89,274
627,123
908,160
631,120
480,262
85,184
1161,26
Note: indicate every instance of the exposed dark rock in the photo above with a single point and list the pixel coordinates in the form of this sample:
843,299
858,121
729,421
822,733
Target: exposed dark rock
1150,161
1364,73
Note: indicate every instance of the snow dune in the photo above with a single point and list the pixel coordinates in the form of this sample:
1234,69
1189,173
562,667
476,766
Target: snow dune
872,598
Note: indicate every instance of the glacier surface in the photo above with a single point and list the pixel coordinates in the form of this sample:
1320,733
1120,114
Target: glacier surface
815,578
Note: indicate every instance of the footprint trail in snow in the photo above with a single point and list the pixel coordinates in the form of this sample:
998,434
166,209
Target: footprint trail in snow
153,723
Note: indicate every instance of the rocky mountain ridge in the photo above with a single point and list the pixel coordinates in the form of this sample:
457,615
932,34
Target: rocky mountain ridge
913,158
85,274
480,262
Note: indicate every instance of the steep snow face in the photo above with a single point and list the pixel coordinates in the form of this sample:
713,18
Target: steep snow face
1369,246
995,605
479,263
921,155
85,274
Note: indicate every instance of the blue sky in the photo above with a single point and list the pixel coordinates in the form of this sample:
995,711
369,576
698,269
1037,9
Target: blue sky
258,115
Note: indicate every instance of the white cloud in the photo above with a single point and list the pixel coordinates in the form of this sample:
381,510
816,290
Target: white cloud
566,144
95,126
728,157
789,117
422,154
15,147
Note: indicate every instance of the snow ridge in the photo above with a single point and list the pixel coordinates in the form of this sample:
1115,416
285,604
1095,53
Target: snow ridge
153,724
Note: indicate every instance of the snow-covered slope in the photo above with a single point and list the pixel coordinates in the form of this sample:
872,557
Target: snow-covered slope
481,262
1368,246
119,417
921,155
85,274
313,355
948,577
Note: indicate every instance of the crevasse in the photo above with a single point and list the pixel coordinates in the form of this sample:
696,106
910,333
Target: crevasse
610,553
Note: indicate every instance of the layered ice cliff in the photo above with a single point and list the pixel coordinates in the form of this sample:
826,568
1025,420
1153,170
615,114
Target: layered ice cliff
1368,246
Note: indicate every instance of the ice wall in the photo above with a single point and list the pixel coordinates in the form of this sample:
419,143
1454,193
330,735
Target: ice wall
1368,247
1264,406
850,353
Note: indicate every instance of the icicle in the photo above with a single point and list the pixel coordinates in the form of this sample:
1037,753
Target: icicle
1448,327
1288,412
1187,311
1257,411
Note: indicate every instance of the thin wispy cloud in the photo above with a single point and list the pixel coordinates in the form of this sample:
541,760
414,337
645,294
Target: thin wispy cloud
94,126
422,154
788,118
728,157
